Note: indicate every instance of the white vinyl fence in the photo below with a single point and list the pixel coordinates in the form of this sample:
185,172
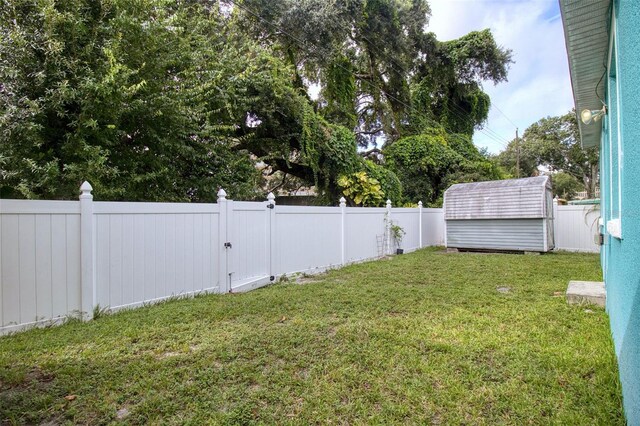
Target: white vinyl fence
576,228
66,258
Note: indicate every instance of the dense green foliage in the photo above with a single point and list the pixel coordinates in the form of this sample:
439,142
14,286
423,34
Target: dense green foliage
372,186
361,190
565,185
163,100
391,185
554,144
419,339
427,164
124,94
447,86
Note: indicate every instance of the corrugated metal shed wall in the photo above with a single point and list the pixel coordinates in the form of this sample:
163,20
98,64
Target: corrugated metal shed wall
514,214
496,234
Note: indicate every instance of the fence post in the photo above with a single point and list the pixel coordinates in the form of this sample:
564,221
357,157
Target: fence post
388,227
271,201
343,237
87,269
223,276
554,220
420,224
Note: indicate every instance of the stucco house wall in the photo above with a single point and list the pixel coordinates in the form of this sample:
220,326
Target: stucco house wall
603,46
620,174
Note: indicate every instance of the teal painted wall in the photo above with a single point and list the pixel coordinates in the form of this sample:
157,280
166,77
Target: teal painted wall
621,257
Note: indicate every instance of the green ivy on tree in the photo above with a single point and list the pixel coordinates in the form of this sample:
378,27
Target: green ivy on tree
427,164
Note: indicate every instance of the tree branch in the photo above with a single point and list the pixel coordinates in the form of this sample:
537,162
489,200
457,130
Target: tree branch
372,151
282,182
370,132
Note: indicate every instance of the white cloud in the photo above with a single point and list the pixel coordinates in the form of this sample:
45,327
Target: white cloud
539,83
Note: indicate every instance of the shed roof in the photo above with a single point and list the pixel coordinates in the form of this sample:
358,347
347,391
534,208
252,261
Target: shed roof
587,38
541,181
499,199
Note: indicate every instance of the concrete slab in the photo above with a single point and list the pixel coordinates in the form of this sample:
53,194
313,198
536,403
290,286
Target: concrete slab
586,292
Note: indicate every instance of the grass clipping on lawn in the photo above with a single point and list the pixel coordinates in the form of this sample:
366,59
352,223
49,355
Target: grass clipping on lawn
422,338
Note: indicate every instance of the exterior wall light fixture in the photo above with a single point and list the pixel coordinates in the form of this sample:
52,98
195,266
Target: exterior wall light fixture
587,115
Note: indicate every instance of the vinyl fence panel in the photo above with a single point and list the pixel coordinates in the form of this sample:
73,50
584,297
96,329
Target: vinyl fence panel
576,228
409,220
39,262
307,238
364,233
432,227
146,252
65,258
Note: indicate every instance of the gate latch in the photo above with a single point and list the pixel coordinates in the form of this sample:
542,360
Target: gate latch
227,245
270,206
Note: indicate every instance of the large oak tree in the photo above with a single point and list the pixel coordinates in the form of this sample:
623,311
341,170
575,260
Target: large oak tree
164,100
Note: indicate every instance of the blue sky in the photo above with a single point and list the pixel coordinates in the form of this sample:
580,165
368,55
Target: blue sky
539,83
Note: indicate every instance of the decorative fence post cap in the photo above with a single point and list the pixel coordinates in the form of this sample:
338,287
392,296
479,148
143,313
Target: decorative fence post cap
222,194
85,190
419,203
388,203
271,198
343,202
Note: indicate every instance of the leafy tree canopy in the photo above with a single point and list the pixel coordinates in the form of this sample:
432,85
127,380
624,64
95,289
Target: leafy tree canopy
379,70
553,143
151,101
565,185
136,97
427,164
447,85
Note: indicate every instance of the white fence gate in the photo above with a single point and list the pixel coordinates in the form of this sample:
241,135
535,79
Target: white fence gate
248,244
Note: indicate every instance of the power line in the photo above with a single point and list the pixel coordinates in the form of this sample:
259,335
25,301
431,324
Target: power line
496,135
505,115
493,138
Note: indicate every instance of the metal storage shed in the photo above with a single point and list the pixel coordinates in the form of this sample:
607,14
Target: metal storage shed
514,214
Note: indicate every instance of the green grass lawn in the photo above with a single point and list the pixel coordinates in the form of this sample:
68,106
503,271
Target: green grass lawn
423,338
